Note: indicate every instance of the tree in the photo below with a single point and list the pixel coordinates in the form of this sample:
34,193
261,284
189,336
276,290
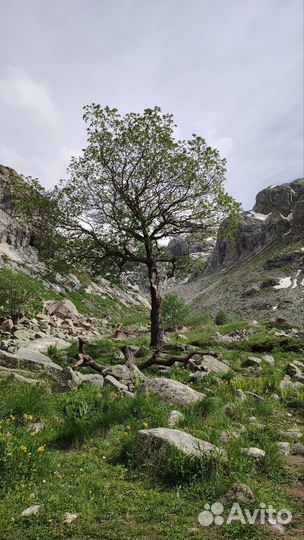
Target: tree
174,310
135,186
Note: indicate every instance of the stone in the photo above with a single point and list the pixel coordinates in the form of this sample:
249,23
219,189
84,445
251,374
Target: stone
118,355
171,391
226,436
95,379
67,379
294,371
70,518
175,418
124,372
31,510
7,325
240,395
198,375
252,361
287,384
293,433
157,440
22,335
239,492
210,364
28,360
109,380
284,448
42,344
269,359
255,453
297,449
35,427
10,374
64,309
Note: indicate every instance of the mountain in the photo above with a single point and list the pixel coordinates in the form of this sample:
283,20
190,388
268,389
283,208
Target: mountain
258,273
18,253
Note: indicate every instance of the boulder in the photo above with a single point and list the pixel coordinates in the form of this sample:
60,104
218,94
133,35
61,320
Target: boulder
109,380
64,309
295,372
287,384
67,379
254,453
172,391
298,449
28,360
252,361
42,344
124,373
31,510
22,335
157,440
210,364
239,492
95,379
7,325
284,448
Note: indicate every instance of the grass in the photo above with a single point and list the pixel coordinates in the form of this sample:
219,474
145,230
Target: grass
90,463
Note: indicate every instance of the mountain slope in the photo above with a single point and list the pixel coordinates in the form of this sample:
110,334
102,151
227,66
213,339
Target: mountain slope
259,273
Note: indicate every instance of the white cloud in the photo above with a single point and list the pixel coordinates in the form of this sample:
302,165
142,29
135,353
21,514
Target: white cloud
19,90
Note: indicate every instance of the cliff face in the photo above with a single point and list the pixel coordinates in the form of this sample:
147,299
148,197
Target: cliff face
259,273
16,238
278,211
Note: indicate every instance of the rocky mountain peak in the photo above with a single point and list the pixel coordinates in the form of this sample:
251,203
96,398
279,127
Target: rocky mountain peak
278,211
280,197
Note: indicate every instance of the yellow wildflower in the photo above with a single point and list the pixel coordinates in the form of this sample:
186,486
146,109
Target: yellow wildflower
146,425
9,455
23,448
41,448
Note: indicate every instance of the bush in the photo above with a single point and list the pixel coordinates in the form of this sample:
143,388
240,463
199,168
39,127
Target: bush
221,317
175,310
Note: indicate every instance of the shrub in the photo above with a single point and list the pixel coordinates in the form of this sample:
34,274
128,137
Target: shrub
221,317
175,310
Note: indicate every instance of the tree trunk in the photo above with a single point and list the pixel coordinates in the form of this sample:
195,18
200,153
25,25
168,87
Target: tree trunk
157,332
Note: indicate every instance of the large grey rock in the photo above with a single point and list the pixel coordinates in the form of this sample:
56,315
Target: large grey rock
109,380
67,379
22,335
282,198
158,440
122,372
172,391
42,344
28,360
239,492
95,379
210,364
64,309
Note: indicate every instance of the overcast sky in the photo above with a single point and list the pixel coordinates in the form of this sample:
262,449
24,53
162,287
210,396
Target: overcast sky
229,70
